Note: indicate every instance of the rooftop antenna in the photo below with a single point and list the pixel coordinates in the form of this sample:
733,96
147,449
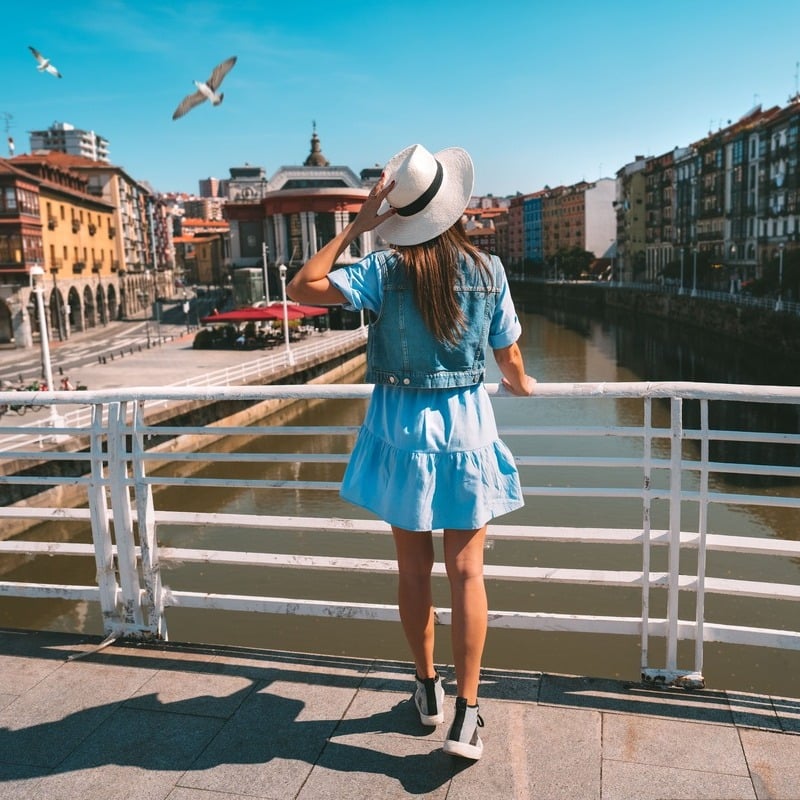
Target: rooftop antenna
7,120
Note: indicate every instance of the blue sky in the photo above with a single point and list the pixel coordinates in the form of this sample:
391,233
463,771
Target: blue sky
539,93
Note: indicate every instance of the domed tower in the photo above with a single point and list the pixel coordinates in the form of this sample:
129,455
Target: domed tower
315,157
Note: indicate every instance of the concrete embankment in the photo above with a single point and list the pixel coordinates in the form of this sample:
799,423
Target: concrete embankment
755,326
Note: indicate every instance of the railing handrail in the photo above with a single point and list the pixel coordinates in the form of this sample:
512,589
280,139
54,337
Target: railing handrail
119,481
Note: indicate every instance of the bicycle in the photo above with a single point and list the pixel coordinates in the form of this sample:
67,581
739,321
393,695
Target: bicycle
17,409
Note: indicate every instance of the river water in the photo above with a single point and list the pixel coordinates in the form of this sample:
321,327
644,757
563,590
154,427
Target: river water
558,347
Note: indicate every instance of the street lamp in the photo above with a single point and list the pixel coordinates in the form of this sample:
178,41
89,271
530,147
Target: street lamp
694,272
37,274
680,288
289,355
779,301
264,255
186,308
144,296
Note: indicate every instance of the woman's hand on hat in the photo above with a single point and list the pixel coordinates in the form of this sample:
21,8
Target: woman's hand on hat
368,216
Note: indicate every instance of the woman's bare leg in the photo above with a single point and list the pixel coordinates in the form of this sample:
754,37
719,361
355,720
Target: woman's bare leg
415,562
463,556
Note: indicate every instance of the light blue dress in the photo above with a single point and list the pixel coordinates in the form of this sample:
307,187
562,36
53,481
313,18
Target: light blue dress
427,459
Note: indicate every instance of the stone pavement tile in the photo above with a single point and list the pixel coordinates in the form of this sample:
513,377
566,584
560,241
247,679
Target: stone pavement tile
42,726
391,713
305,667
788,711
495,684
774,761
397,676
5,699
268,747
199,794
534,752
133,755
670,743
30,656
190,692
753,710
18,782
380,766
20,673
628,781
612,695
518,685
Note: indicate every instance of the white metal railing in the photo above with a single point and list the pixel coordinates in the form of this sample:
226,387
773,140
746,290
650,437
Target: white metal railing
668,472
34,432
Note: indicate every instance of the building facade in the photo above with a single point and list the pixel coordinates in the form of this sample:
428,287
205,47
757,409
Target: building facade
304,208
68,232
62,137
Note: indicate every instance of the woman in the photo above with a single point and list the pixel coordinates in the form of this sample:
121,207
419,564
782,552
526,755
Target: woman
428,455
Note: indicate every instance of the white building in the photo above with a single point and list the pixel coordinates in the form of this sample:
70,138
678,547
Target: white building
65,138
601,217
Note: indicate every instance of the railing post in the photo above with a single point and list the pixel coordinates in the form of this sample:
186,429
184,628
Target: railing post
646,468
674,557
146,527
123,523
101,534
671,674
702,525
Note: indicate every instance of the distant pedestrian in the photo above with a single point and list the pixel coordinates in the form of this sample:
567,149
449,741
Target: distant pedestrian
428,455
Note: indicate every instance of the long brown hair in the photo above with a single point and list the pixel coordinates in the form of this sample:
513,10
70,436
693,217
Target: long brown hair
432,269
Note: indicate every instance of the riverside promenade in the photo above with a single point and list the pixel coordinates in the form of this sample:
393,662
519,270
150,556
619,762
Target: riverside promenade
194,721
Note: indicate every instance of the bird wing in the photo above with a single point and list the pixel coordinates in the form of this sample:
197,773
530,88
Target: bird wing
52,70
36,54
188,103
220,71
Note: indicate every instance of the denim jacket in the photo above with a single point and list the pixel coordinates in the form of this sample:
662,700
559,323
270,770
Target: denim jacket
401,351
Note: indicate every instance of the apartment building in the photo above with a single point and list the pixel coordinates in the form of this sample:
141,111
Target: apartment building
62,137
64,229
630,220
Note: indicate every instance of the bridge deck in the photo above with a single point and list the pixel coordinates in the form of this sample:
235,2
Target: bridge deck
187,721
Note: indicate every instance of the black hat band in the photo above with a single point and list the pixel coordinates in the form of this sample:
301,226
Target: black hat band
425,198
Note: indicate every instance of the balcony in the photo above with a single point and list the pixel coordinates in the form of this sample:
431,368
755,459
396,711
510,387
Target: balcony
115,267
92,229
78,267
97,266
52,223
76,225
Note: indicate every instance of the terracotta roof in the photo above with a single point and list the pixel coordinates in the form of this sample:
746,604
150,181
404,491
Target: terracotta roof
62,159
7,168
45,183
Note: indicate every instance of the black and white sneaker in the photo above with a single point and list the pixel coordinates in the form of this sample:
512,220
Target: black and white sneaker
429,699
463,739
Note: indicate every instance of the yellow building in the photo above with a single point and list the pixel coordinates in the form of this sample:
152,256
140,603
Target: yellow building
80,251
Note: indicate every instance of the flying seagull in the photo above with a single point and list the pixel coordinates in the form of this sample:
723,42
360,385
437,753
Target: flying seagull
207,90
44,63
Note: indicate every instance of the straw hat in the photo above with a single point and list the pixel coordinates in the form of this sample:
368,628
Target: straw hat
430,194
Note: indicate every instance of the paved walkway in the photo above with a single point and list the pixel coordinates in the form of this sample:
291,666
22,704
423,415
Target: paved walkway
188,722
172,361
